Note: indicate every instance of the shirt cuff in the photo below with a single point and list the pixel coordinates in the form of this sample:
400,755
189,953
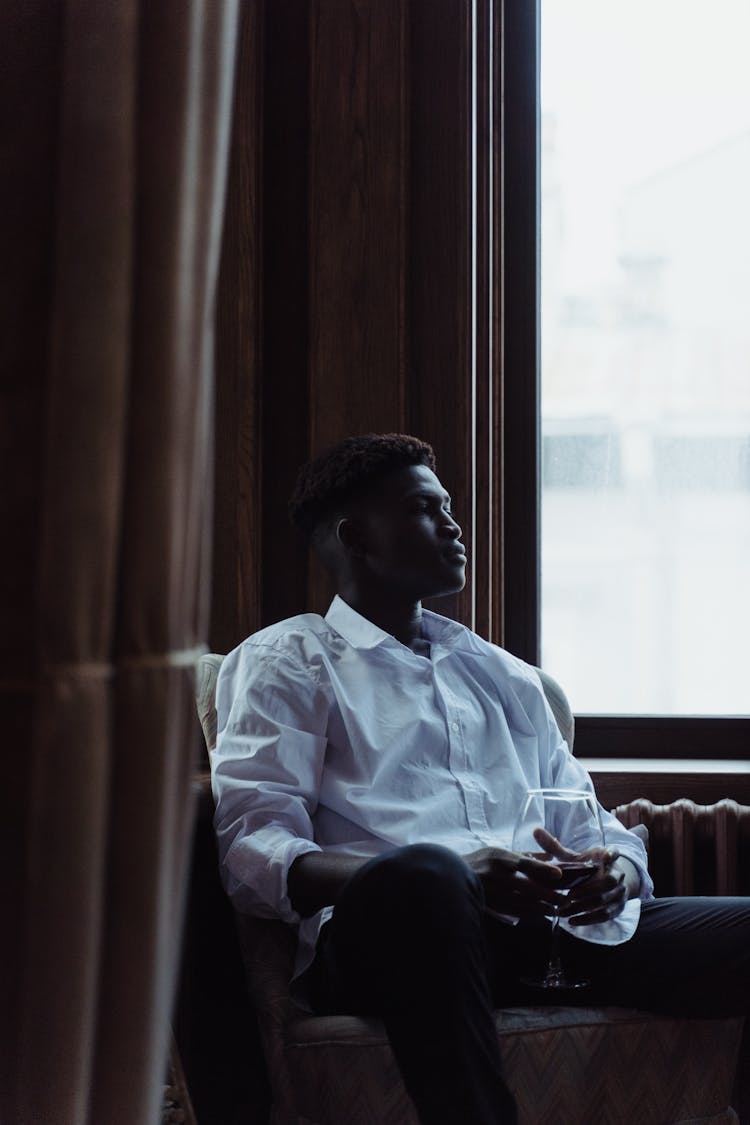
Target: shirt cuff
256,869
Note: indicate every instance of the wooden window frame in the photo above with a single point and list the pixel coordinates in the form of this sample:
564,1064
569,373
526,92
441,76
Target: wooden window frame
516,202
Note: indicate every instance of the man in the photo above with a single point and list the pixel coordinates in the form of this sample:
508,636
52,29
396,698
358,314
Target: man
368,772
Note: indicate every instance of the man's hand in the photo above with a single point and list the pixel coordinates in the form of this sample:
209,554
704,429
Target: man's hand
603,894
516,884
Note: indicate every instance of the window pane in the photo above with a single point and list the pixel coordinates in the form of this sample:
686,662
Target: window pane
646,354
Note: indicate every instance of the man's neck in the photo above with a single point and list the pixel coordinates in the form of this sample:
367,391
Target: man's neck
404,622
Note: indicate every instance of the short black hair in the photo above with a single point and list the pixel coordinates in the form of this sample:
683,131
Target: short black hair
347,471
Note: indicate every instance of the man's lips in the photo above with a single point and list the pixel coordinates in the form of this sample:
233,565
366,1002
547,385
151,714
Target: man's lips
456,553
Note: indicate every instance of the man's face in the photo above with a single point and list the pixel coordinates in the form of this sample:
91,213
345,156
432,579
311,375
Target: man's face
411,540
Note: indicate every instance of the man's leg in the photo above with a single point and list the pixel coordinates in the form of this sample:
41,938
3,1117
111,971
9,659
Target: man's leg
688,956
406,943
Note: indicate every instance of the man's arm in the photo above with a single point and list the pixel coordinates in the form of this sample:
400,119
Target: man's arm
316,879
564,771
513,884
266,774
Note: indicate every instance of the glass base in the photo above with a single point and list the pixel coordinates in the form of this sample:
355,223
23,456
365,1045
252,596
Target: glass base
554,982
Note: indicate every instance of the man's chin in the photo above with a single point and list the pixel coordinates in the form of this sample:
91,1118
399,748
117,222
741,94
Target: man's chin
447,588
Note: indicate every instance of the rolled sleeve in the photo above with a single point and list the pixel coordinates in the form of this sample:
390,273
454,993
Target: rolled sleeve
266,770
256,868
566,772
572,775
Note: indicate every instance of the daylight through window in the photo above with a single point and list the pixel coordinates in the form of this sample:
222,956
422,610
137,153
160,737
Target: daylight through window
645,352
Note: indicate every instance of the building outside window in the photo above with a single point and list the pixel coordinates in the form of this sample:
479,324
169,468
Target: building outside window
645,354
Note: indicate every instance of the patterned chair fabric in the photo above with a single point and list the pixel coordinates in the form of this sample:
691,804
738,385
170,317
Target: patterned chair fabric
588,1066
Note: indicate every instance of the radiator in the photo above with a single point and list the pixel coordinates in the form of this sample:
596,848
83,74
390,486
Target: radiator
695,849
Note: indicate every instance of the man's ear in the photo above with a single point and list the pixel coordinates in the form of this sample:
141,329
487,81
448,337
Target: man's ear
350,535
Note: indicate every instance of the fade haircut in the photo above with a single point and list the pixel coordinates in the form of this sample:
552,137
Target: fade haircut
347,471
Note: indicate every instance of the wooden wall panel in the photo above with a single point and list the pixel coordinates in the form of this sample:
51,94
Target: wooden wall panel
357,203
487,555
357,189
287,283
440,256
519,208
237,535
352,191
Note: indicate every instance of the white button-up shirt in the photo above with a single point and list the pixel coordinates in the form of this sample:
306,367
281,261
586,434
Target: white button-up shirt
332,735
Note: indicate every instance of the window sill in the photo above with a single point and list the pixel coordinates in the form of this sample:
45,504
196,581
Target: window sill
662,780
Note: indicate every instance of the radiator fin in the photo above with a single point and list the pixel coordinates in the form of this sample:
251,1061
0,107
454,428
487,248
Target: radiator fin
695,849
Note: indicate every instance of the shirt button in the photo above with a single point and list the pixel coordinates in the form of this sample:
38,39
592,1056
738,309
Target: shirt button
454,727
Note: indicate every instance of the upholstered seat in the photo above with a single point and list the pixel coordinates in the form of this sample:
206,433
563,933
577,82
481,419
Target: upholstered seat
565,1065
593,1066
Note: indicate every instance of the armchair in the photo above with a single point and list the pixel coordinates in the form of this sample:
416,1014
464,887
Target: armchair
587,1065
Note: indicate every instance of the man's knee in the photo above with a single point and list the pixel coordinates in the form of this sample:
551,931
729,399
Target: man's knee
421,877
408,915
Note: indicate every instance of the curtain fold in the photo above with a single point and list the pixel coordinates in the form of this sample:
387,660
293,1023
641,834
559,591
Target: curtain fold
110,366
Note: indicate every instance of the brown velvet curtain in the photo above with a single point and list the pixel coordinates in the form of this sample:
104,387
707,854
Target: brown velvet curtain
114,160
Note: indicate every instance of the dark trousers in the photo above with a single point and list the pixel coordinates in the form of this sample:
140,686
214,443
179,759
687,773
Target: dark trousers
409,942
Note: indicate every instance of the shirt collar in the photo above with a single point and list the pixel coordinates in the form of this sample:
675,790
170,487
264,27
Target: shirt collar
445,631
353,627
361,633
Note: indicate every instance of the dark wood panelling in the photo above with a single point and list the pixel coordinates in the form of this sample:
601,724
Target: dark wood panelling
440,234
357,169
496,422
286,289
486,556
519,225
346,301
357,176
237,577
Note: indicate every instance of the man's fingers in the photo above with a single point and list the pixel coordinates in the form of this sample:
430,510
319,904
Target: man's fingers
520,894
595,890
525,882
552,845
600,907
537,870
554,849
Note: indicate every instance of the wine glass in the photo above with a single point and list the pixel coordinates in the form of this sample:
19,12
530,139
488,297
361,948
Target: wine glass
574,818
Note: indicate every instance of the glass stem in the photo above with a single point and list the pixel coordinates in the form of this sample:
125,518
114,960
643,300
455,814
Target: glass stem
554,965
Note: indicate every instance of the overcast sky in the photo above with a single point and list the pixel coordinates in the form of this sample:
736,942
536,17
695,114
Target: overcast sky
636,87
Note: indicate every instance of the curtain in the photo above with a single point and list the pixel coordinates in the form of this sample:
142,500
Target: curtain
117,118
